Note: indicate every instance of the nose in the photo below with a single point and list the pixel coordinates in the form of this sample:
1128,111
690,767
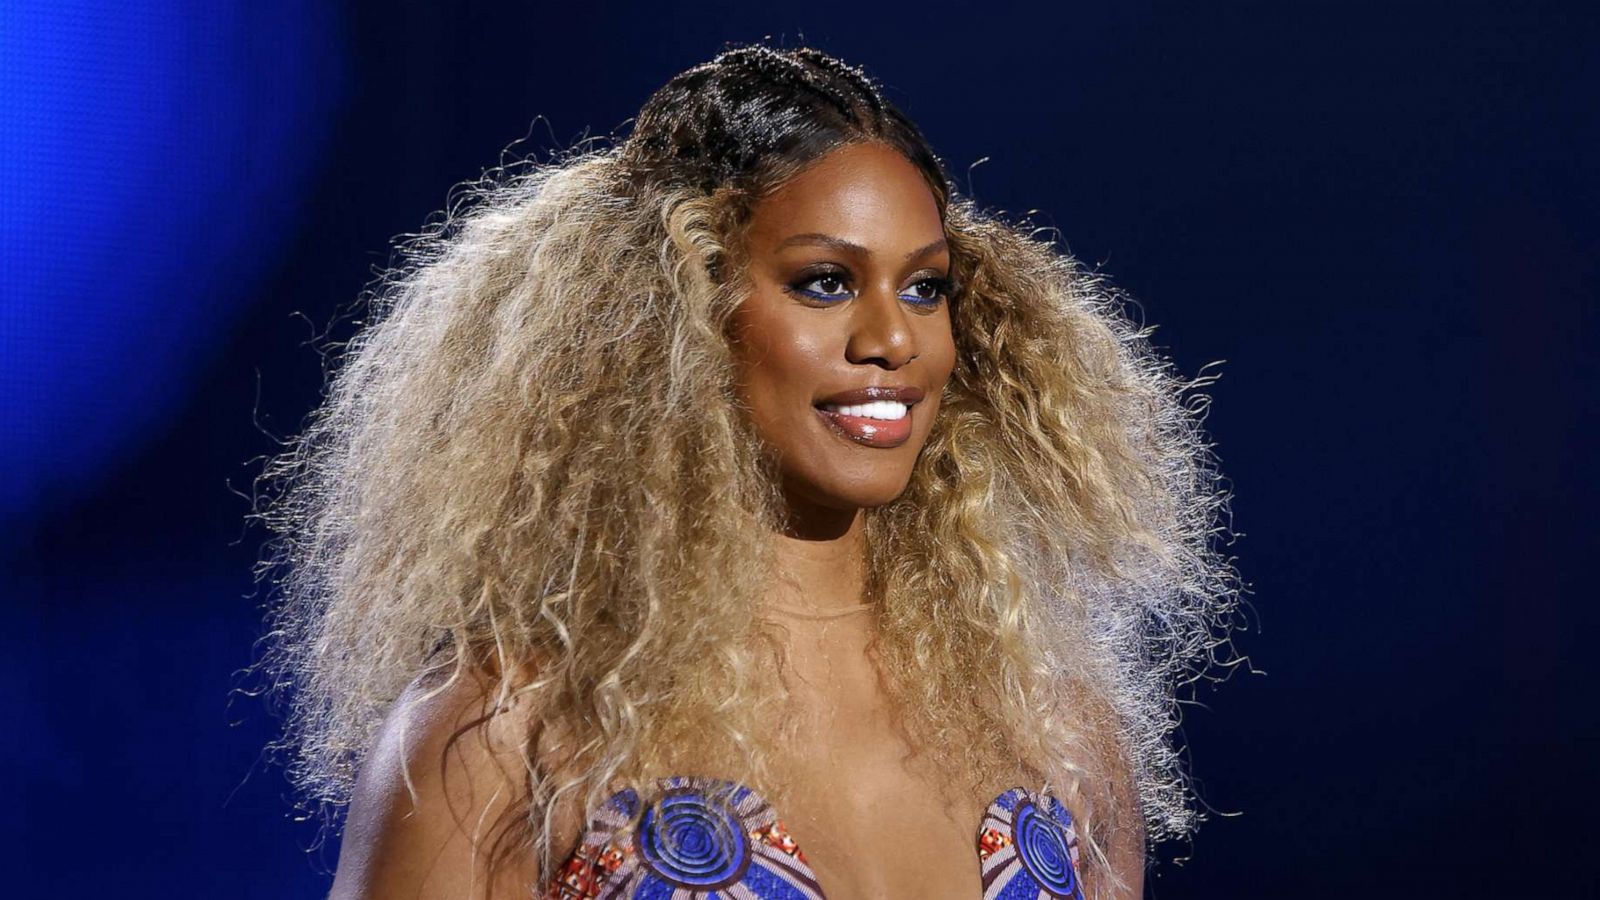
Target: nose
880,332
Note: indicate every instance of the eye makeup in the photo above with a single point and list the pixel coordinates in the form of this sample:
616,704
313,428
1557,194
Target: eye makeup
943,287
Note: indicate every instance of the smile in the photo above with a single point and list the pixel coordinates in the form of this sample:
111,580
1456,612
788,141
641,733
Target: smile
882,423
887,410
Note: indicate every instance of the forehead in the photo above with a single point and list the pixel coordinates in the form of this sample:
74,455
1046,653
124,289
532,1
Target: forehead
866,193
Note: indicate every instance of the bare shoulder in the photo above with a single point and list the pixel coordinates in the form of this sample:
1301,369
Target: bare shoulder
434,794
1125,849
1124,839
1120,829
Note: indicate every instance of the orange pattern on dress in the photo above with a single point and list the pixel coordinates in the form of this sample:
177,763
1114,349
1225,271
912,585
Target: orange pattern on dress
778,838
991,841
586,872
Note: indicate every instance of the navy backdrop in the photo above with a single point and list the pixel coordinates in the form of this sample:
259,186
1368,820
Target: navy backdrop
1381,215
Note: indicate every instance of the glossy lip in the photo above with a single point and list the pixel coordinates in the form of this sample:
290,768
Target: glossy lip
910,396
867,431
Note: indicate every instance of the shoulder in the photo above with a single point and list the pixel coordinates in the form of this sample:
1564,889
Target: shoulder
1125,853
1125,842
1112,792
438,788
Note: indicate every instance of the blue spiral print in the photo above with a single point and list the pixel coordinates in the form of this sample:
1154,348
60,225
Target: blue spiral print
693,842
1028,848
1042,844
702,838
707,839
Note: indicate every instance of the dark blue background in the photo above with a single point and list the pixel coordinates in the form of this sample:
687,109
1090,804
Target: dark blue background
1381,215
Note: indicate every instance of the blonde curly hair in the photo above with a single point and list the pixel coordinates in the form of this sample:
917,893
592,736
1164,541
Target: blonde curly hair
490,485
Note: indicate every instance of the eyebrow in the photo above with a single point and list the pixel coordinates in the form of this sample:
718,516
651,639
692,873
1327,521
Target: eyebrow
828,240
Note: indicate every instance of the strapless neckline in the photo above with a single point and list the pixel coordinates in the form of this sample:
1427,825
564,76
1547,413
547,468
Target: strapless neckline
711,839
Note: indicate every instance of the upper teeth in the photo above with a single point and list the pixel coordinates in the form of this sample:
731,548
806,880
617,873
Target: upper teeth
878,409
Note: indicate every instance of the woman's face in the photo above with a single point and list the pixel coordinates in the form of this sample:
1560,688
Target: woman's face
844,342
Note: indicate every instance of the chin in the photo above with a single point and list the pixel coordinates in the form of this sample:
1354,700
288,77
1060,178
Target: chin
865,495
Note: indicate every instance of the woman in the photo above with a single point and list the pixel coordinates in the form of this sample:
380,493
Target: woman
743,468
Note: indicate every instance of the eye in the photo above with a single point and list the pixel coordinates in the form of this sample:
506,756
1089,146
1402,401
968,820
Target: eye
818,286
833,286
933,290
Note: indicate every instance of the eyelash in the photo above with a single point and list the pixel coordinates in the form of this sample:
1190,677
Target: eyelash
945,287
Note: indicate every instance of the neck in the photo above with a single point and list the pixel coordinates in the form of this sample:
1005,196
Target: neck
821,559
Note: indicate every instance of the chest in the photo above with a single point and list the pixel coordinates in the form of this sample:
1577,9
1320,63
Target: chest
884,832
704,839
862,817
873,817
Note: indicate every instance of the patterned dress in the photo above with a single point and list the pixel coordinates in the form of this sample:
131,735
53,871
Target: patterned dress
709,839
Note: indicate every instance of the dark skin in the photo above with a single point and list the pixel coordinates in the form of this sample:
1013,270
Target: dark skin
844,265
859,304
843,268
873,818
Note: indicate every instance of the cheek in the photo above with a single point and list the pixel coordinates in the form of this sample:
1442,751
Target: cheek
776,359
941,355
780,382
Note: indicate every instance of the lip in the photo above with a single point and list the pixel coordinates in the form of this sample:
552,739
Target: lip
910,396
871,432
